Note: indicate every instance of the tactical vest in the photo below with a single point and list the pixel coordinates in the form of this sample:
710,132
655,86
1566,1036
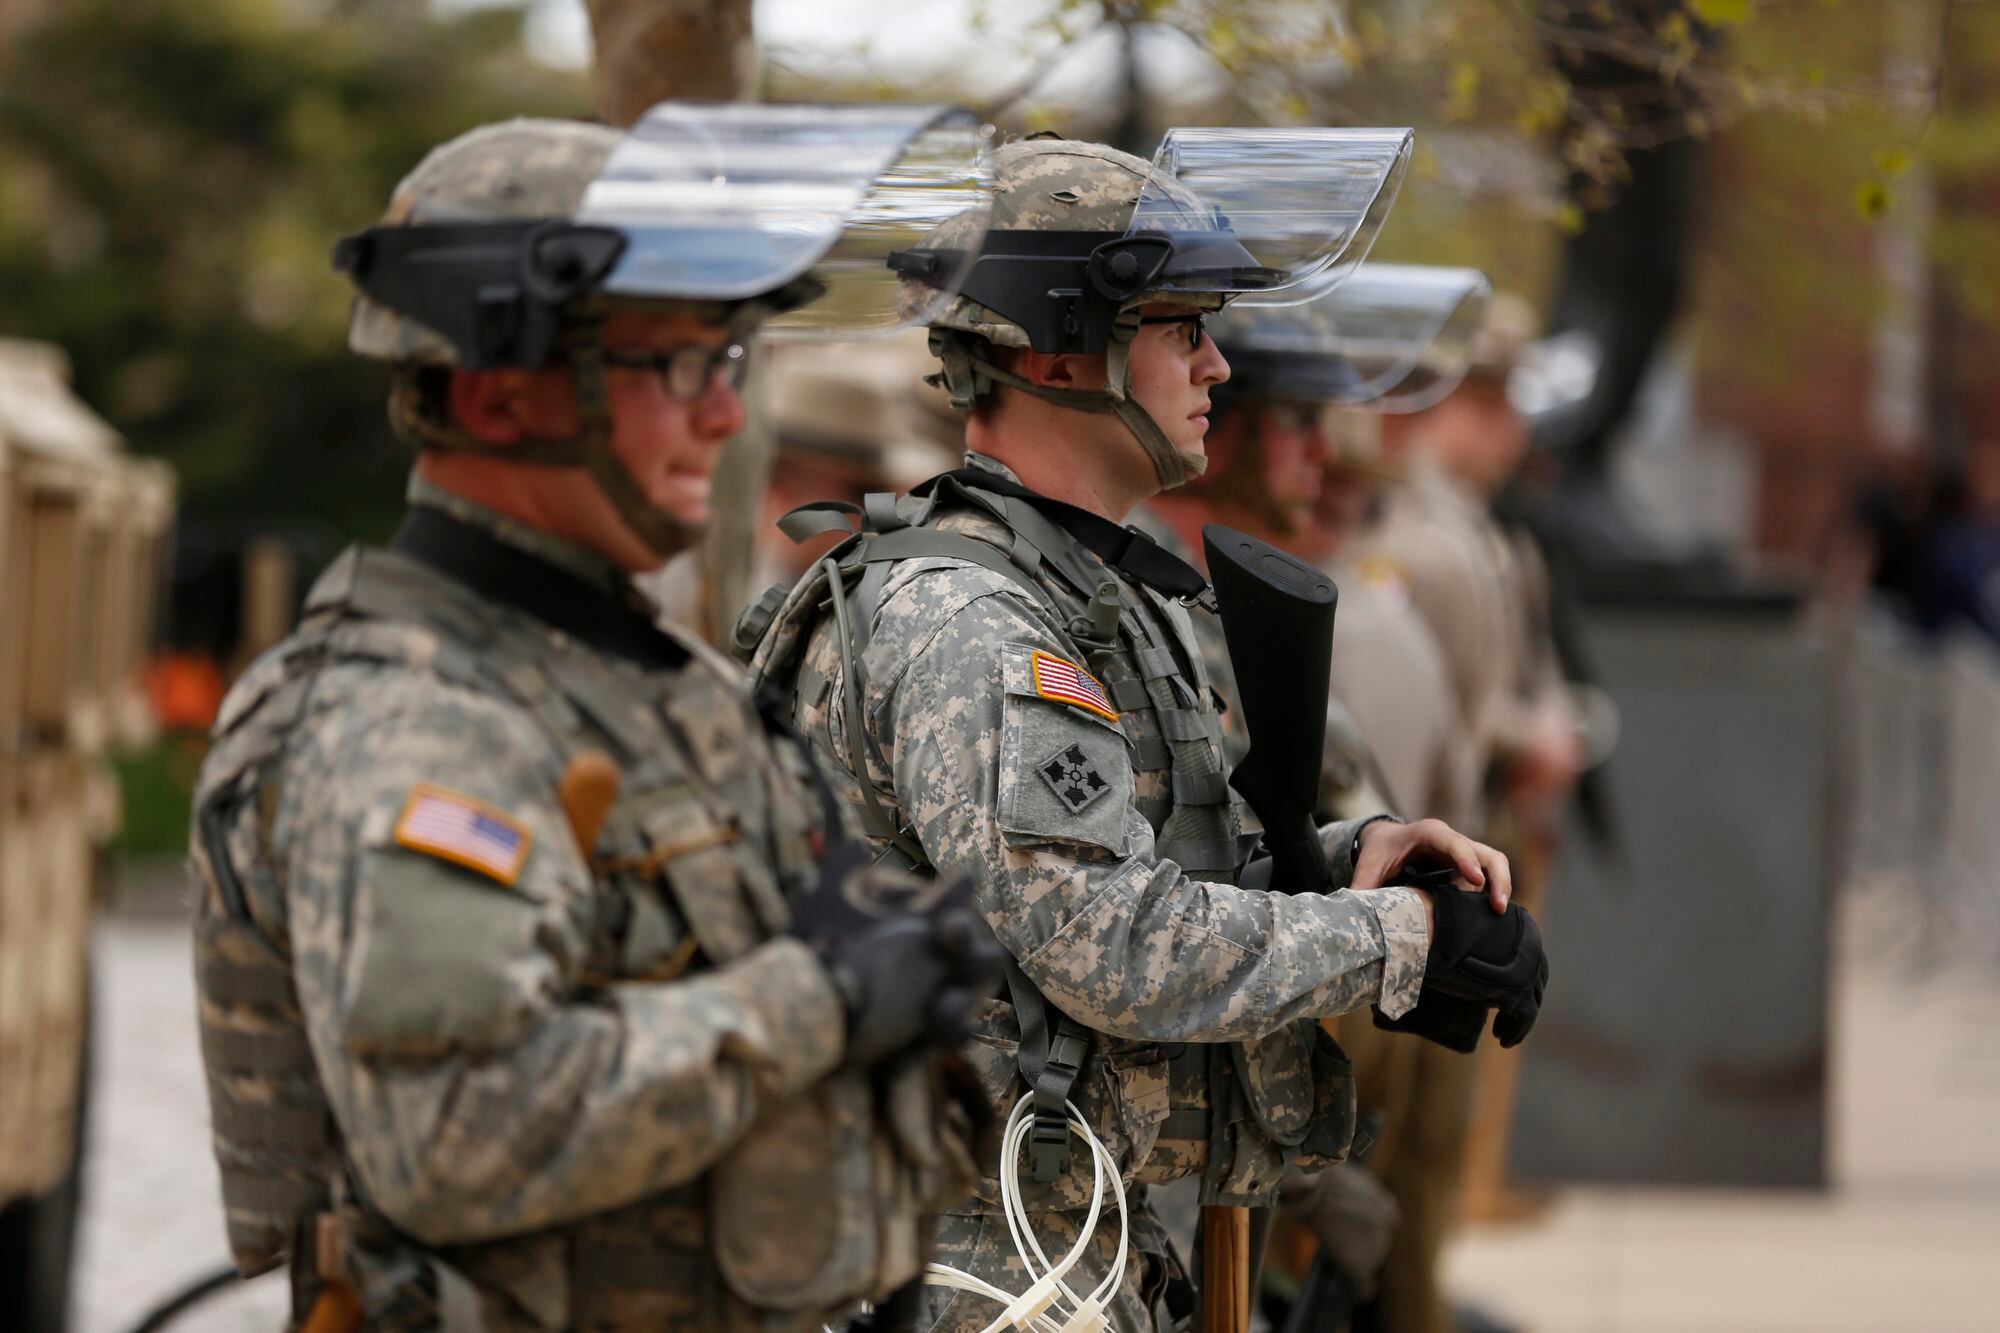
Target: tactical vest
1235,1114
696,864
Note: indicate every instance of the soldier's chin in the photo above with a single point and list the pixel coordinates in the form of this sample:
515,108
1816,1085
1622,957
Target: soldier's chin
685,498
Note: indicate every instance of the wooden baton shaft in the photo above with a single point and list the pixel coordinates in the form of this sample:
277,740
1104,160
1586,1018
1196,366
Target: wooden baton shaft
1225,1270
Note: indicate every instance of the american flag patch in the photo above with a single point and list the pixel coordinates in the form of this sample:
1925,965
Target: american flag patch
465,832
1067,683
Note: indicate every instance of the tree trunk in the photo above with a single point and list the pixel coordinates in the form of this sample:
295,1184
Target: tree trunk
1623,273
651,50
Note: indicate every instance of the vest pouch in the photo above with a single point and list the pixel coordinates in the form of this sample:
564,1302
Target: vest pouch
1140,1071
808,1208
272,1129
1291,1103
721,901
1330,1133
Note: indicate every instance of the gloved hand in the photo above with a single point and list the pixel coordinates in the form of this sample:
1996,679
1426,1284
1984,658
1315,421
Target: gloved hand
1494,960
1445,1019
908,955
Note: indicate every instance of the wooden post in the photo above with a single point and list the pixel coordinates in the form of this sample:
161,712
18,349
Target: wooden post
1225,1270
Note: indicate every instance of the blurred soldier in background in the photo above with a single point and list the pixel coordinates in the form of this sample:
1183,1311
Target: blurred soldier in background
539,987
846,424
1483,591
1007,683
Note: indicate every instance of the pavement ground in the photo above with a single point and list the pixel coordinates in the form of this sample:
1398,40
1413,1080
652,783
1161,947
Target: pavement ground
1907,1238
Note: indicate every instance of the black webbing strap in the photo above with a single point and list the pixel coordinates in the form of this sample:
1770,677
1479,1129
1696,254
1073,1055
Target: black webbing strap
1127,550
929,543
1049,1062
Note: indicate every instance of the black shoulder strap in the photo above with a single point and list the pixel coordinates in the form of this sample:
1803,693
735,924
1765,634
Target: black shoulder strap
1129,551
512,577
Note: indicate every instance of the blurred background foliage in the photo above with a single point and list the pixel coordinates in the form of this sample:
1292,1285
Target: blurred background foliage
172,176
172,173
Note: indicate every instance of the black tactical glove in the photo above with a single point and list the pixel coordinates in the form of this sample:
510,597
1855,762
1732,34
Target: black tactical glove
1445,1019
1491,960
1478,960
908,955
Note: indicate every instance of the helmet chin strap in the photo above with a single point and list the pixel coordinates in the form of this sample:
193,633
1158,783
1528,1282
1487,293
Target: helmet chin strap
663,534
967,374
590,448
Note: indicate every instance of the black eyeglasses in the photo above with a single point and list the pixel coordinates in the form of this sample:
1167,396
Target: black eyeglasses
1197,322
685,372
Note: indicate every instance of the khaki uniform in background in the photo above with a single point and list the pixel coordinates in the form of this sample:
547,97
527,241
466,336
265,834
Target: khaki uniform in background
1483,595
1393,678
1436,540
1439,539
1391,673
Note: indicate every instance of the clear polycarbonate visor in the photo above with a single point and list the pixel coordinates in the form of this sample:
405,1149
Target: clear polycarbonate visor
1393,337
1261,211
1407,331
734,201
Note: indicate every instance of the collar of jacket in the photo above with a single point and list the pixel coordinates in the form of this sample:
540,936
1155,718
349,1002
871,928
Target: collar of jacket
609,615
1126,550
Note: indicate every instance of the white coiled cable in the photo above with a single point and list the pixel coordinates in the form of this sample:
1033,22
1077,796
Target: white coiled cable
1049,1305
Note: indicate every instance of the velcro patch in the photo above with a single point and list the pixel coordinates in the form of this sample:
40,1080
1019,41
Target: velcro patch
1067,683
466,832
1073,777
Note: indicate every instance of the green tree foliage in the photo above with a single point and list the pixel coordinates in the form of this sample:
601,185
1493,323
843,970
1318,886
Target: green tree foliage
172,176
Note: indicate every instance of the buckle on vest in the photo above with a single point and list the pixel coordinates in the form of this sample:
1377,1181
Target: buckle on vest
1048,1137
756,620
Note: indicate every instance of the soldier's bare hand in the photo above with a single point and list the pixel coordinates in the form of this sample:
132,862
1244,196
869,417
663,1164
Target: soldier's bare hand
1386,847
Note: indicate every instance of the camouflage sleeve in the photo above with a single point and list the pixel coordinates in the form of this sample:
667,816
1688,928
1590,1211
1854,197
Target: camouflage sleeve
480,1087
1032,797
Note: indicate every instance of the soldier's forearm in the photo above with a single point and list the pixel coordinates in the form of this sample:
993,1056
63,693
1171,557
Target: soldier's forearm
1152,955
605,1100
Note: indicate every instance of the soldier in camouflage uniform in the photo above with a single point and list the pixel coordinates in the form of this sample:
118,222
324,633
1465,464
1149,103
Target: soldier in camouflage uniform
1008,686
539,989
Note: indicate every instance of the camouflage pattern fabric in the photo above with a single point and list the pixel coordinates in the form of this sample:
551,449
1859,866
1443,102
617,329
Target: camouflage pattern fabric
961,732
598,1083
523,168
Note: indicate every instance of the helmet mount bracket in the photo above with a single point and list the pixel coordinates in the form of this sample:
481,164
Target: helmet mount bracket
525,277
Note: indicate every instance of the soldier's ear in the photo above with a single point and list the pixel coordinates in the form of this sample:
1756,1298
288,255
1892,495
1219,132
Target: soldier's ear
491,405
1058,370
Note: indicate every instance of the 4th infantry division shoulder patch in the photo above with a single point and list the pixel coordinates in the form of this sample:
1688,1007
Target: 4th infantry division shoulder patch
1068,683
467,832
1073,778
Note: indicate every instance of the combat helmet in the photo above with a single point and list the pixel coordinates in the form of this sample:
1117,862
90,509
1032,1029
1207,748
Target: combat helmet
1083,235
509,245
1389,338
1060,273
